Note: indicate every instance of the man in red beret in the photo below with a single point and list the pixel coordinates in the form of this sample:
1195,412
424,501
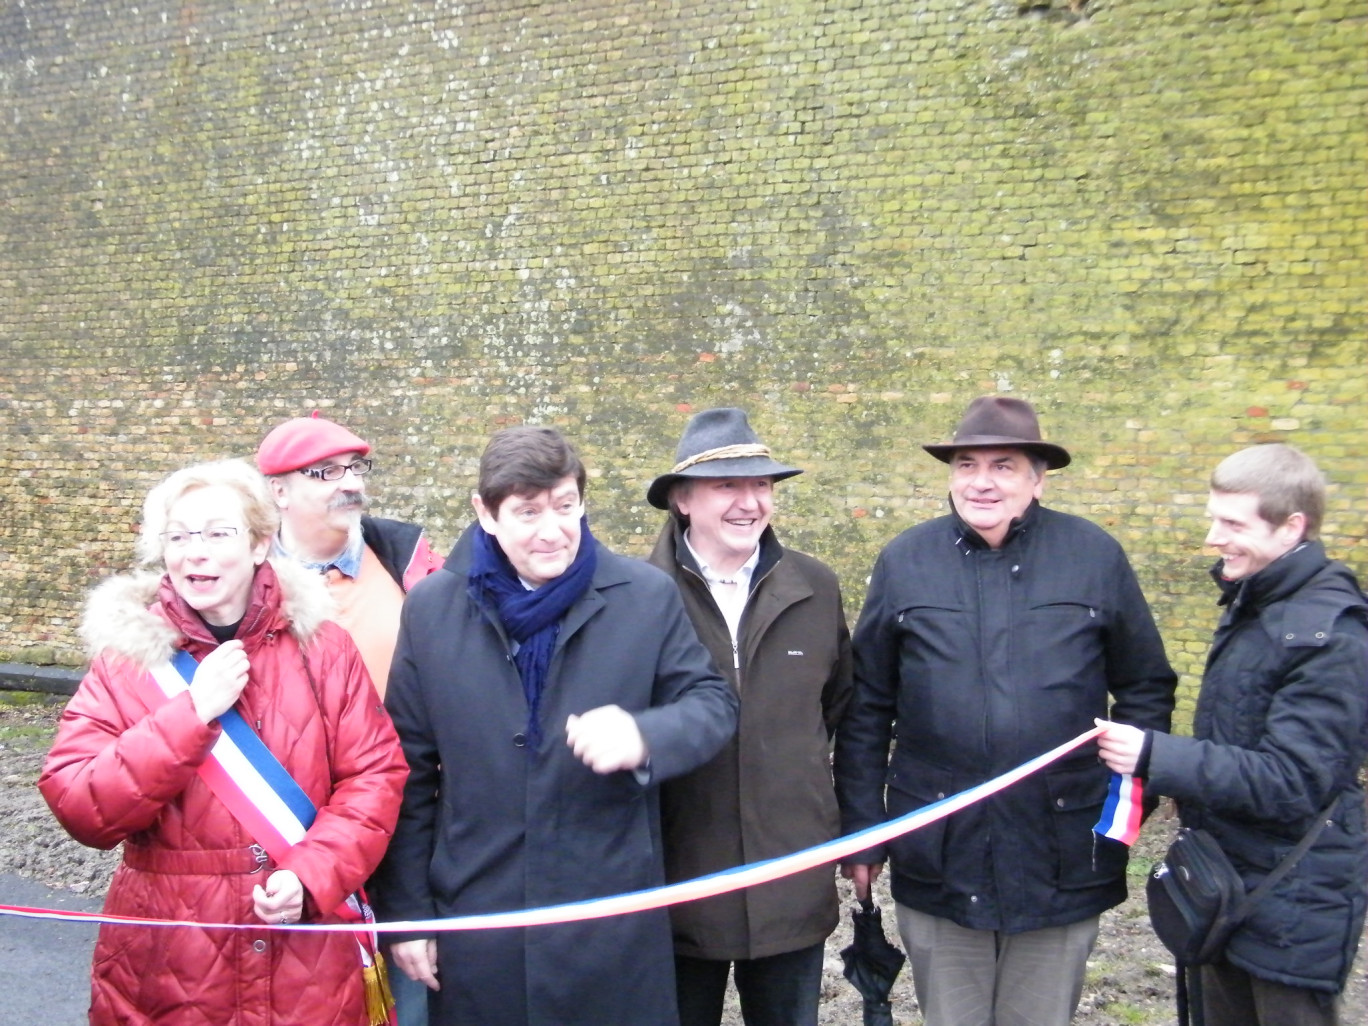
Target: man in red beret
317,471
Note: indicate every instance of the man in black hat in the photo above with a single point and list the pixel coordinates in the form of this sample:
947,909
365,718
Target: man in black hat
773,621
988,636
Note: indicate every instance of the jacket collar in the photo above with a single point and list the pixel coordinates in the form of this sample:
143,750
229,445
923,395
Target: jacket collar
1280,578
776,585
140,617
262,616
672,549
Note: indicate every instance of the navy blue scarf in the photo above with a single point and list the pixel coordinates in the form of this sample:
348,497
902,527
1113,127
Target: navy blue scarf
531,618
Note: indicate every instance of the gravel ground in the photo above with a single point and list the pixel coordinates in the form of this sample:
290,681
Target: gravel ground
1130,977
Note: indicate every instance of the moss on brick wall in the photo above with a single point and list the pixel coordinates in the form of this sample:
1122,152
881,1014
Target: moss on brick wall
850,217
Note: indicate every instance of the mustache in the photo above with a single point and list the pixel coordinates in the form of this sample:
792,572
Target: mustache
348,500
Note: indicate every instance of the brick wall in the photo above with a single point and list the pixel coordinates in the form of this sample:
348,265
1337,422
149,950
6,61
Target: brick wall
850,217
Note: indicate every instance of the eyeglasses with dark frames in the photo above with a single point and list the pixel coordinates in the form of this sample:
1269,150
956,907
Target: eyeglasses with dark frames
336,471
210,536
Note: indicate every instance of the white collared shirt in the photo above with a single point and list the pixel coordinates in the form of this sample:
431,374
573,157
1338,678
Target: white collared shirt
729,592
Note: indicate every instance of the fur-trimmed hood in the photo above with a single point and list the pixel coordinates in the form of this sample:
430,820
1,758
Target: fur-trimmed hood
122,616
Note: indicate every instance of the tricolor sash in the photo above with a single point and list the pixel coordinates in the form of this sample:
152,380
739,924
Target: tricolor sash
243,773
271,806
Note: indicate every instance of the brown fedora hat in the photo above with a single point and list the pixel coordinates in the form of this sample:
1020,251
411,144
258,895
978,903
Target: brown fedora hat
996,422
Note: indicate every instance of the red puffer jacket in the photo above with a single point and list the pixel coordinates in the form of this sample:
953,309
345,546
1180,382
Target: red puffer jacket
119,773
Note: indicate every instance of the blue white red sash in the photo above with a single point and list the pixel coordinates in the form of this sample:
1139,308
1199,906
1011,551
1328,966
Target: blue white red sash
1122,812
260,793
243,774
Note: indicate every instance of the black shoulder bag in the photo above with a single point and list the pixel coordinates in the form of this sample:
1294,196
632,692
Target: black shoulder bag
1197,899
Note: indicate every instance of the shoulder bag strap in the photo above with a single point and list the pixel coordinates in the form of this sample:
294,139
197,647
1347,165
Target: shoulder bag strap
1289,860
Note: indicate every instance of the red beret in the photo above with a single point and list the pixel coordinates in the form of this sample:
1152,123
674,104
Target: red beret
304,440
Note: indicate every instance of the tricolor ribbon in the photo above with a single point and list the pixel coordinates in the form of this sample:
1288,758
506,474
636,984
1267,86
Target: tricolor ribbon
1122,813
656,897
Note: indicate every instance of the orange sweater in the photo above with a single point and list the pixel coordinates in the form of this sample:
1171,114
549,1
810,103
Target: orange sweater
368,608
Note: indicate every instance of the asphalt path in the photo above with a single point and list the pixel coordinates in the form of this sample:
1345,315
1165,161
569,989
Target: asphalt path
47,963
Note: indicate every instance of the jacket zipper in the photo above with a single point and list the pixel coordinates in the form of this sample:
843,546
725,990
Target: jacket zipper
745,611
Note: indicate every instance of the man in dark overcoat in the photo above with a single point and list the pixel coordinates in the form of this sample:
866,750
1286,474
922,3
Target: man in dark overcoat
542,688
989,636
773,621
1278,740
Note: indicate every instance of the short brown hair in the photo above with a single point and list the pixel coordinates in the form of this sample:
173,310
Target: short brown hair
259,513
524,461
1285,479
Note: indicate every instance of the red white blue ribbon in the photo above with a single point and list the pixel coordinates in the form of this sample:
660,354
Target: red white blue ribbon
657,897
1122,812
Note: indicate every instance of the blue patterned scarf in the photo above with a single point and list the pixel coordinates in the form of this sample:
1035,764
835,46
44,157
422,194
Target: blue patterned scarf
531,618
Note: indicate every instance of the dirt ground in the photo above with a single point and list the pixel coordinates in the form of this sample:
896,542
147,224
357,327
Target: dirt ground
1130,976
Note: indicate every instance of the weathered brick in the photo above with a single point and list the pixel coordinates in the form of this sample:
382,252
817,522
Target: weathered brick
849,217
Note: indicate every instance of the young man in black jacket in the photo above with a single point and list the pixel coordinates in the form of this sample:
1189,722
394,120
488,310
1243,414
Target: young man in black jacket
1280,732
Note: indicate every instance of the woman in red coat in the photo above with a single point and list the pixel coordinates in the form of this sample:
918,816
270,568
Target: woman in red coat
124,769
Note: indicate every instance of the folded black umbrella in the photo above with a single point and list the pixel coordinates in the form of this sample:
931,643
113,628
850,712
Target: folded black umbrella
872,963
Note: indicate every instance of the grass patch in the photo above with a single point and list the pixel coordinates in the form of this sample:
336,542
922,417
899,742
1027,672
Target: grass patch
30,699
18,734
1138,869
1122,1012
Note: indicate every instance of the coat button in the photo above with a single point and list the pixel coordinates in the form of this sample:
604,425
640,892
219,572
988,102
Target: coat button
973,899
259,946
1059,802
519,740
940,795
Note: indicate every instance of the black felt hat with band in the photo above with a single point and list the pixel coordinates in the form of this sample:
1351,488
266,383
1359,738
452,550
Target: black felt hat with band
718,443
996,422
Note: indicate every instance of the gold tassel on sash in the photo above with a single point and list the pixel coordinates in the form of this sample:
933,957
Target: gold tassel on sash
379,1000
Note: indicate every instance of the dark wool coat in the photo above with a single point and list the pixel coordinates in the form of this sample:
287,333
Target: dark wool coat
1282,727
118,772
491,822
975,660
768,792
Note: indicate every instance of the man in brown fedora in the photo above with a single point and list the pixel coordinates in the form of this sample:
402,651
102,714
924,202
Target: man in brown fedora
773,621
988,636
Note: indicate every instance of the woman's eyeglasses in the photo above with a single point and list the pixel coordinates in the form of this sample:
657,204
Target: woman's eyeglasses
210,536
